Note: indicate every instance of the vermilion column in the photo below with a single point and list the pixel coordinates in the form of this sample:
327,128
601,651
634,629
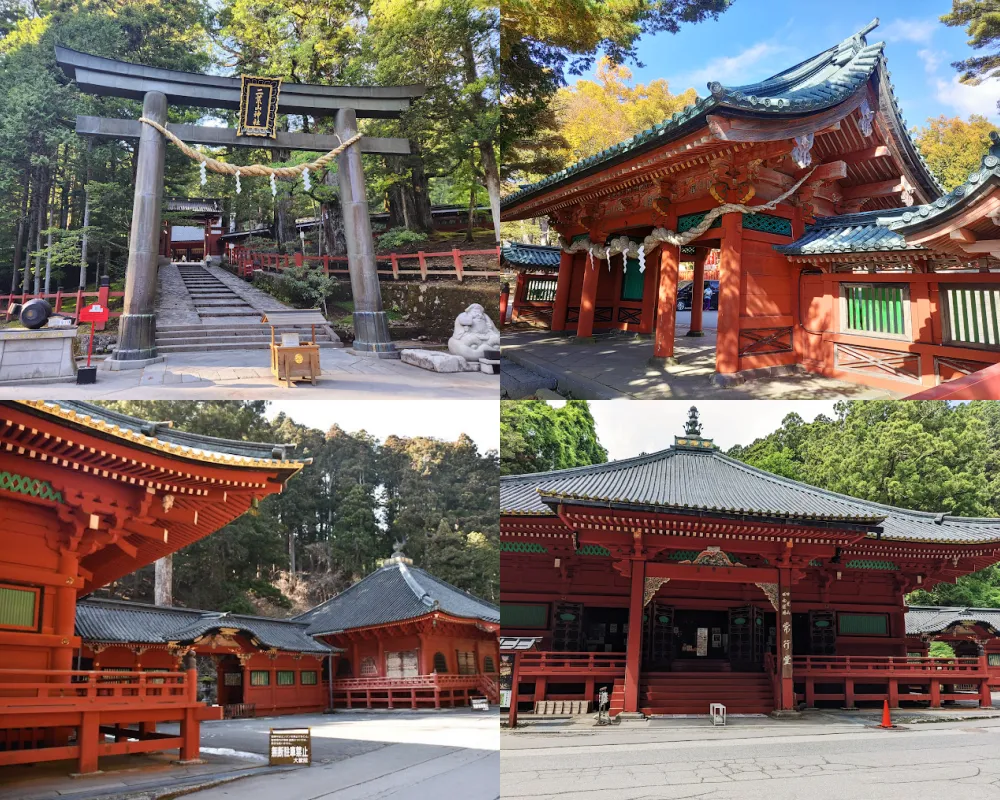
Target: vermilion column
65,614
666,301
633,649
519,291
563,284
588,298
698,292
787,700
727,350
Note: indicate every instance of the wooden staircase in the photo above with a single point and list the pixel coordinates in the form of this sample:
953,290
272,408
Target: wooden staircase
692,692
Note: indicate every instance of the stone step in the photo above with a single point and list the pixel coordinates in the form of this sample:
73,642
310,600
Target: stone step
234,342
230,311
223,330
215,347
199,303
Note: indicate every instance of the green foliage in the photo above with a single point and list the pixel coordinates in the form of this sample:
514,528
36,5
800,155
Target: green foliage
394,238
981,19
339,516
928,456
303,287
538,437
941,650
954,148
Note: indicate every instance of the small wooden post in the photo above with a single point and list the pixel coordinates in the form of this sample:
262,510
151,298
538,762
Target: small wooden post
504,299
423,265
395,266
456,257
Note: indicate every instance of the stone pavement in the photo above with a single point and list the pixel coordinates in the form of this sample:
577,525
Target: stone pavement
246,374
616,367
175,306
816,759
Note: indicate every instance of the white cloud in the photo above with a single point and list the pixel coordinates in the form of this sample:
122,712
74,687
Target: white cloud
910,30
966,99
931,59
756,62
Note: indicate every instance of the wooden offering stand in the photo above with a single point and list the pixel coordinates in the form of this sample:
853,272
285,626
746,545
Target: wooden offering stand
298,361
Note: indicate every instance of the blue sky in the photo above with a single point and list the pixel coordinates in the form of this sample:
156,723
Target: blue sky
758,38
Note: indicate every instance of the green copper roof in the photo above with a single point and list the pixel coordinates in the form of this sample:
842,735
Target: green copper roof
849,233
531,255
823,81
978,184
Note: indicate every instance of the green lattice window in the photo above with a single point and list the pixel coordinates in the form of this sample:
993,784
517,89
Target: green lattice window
972,315
863,624
993,659
540,290
880,308
524,616
865,563
308,677
688,221
633,280
286,677
768,223
19,607
260,677
593,550
522,547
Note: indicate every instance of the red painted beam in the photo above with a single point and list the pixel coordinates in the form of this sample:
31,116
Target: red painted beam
690,572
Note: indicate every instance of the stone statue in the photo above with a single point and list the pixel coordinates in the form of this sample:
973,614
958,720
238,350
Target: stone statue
474,333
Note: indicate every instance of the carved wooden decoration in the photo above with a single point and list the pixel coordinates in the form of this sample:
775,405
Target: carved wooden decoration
801,153
650,588
771,590
866,117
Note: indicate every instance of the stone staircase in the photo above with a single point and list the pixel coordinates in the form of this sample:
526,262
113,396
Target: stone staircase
226,319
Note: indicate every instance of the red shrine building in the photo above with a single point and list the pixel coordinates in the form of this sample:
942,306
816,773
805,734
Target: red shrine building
88,496
857,265
198,241
408,640
682,578
970,632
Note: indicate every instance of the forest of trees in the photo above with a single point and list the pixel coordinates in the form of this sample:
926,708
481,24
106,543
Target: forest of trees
66,202
337,518
927,456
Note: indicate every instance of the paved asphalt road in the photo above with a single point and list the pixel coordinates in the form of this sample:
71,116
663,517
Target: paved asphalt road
416,756
842,762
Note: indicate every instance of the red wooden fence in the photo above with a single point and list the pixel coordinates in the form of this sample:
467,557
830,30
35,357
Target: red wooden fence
399,264
103,296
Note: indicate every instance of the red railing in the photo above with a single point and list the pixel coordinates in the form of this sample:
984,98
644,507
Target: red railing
490,688
981,385
49,687
398,265
80,298
888,666
432,681
544,664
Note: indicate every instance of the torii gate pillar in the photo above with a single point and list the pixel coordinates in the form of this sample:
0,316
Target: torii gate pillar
137,326
371,327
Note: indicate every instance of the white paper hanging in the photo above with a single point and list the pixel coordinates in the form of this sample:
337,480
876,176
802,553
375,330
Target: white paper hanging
590,257
274,187
305,179
201,170
642,258
238,187
608,254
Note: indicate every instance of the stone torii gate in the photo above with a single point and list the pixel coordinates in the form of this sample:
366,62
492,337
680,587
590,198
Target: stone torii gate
156,87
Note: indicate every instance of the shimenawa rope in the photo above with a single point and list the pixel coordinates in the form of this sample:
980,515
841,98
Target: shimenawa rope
252,170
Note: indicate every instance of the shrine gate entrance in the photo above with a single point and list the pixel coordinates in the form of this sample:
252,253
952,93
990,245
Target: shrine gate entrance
156,88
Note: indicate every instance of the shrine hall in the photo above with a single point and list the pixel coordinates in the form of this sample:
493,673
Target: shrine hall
683,577
838,251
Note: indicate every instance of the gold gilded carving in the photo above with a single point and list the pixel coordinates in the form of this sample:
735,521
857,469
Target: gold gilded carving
650,588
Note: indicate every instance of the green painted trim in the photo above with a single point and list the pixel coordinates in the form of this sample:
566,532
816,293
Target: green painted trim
863,563
687,221
768,223
24,484
522,547
593,550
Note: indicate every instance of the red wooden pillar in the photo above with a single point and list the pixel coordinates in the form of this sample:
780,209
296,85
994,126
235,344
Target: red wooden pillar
666,300
985,695
515,678
541,687
504,299
88,739
649,291
519,290
633,649
65,616
698,292
727,348
588,297
563,283
787,700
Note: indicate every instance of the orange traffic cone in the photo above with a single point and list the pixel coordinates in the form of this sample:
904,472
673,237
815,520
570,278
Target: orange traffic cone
886,719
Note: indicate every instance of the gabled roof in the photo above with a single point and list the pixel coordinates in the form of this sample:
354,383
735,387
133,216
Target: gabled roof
702,479
823,81
100,620
531,255
934,619
163,437
394,593
865,232
978,184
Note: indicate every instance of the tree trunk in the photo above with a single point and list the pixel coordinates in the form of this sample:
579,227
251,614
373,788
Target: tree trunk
19,245
163,585
423,219
470,231
333,222
487,155
48,236
32,231
83,242
43,196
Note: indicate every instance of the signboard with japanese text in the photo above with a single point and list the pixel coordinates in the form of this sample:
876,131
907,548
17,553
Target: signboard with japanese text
258,106
290,746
